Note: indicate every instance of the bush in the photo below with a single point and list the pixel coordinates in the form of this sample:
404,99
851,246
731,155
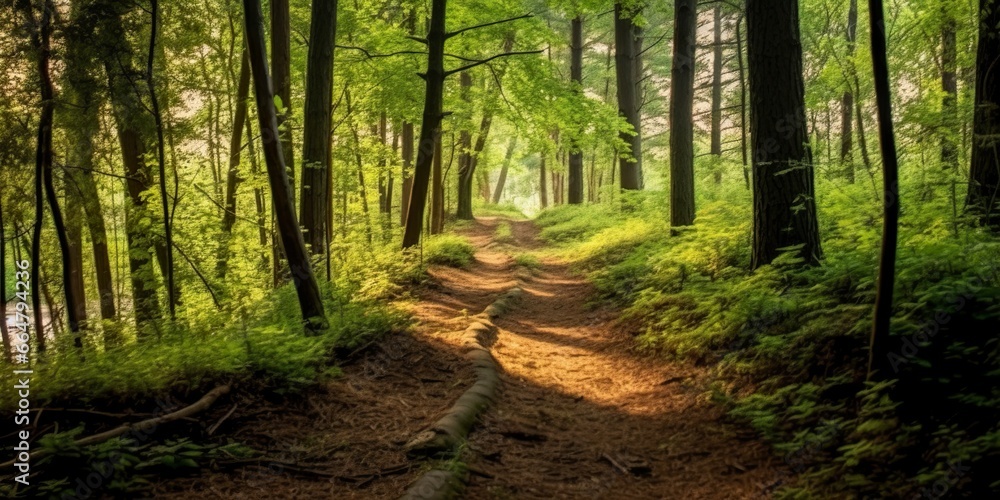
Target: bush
448,250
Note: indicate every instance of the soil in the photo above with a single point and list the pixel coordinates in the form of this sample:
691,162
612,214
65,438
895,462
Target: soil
580,413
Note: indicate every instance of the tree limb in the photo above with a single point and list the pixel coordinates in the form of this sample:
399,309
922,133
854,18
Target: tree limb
488,59
470,28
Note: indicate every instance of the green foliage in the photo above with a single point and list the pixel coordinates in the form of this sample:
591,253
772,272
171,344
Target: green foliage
527,260
448,250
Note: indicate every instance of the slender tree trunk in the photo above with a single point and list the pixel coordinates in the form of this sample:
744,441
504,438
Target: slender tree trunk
502,179
407,172
949,84
258,196
542,191
878,362
716,132
847,101
465,173
431,124
132,122
744,143
627,68
576,76
233,179
168,244
437,196
363,189
784,196
292,241
316,157
681,104
383,202
984,171
281,65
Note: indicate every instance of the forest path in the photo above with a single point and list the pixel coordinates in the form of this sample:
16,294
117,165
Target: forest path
581,414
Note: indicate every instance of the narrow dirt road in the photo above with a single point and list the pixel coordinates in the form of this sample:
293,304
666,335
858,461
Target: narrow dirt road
580,414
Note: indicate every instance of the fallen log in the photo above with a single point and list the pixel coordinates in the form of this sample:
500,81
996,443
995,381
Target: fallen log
143,426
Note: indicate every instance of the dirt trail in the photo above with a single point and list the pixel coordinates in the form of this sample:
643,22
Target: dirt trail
582,415
579,414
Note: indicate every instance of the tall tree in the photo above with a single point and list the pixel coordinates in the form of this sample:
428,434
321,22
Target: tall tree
878,361
465,172
847,100
715,147
949,85
576,77
281,66
82,113
502,179
628,71
233,178
784,200
984,172
8,354
41,42
292,241
316,156
681,104
168,240
133,126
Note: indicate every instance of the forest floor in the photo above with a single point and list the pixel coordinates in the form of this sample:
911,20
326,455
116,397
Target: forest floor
580,413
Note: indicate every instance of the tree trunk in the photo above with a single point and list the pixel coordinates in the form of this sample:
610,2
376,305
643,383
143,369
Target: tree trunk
431,124
716,132
503,170
681,103
847,101
984,172
949,84
316,158
576,76
465,174
383,204
627,67
407,172
743,103
132,123
281,80
233,179
292,241
783,190
878,361
542,191
437,196
167,246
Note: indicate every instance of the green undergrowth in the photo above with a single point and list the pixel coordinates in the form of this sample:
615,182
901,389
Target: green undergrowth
257,336
790,344
449,250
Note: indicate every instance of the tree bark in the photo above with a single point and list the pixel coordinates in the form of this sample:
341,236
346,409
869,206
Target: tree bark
233,179
132,123
847,100
949,84
783,189
878,361
542,191
627,67
576,76
465,173
716,132
437,196
681,104
316,159
292,241
984,171
167,246
281,65
502,179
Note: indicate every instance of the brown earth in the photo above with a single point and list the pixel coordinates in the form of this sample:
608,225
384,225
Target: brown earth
580,413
